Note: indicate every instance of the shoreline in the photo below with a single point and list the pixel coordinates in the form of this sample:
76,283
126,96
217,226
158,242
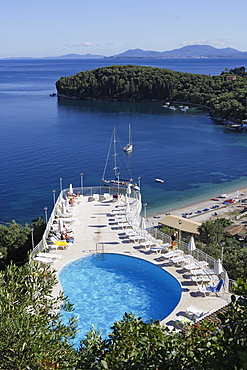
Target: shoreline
239,194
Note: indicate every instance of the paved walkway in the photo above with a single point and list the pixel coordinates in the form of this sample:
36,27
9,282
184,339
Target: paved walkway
95,229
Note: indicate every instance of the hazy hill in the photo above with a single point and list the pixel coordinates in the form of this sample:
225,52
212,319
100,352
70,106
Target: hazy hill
190,51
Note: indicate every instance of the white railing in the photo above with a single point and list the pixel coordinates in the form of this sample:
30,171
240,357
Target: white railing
80,191
198,254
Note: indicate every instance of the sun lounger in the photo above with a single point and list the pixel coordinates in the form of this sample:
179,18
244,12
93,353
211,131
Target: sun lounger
158,248
196,265
181,260
172,254
212,289
201,279
49,255
182,321
44,260
148,243
194,312
136,238
118,211
68,219
202,272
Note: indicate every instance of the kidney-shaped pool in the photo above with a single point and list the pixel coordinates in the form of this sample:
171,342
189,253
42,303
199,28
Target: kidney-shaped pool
102,287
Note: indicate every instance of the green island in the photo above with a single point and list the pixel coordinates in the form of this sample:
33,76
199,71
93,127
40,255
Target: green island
224,95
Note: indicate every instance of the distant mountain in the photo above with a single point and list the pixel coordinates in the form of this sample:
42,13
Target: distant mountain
190,51
77,56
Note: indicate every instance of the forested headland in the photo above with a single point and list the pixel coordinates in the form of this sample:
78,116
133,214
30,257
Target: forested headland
225,97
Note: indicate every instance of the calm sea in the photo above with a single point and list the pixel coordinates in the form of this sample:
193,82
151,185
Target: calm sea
44,139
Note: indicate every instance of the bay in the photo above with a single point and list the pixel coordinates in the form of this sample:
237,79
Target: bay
44,138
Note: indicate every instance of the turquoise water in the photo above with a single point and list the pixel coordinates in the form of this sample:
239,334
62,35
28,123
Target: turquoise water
44,139
104,287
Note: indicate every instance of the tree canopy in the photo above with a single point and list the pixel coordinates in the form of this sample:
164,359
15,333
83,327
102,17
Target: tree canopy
225,98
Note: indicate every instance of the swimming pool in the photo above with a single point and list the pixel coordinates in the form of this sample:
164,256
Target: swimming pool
102,287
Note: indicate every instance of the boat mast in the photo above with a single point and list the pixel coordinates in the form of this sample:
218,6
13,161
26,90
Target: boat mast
130,138
115,153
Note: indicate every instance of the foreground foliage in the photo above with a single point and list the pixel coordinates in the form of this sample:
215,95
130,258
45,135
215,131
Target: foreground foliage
217,245
16,241
225,98
33,337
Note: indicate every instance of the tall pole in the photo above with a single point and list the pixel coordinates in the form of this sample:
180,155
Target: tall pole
179,240
118,185
54,197
222,251
139,182
45,209
145,210
81,175
32,230
61,184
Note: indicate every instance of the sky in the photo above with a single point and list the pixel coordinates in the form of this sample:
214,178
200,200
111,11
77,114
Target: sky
41,28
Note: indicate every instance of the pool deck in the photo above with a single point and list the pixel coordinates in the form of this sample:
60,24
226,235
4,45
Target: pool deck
94,229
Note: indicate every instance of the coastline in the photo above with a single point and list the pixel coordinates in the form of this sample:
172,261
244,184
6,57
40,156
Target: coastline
207,203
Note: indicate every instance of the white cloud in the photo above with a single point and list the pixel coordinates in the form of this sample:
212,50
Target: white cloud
87,43
81,45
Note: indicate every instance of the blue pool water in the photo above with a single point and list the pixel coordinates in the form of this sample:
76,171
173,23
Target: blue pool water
103,287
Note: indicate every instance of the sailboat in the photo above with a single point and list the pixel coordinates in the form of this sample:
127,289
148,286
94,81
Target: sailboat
129,147
117,181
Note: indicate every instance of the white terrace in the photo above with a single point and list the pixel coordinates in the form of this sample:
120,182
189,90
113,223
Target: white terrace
102,224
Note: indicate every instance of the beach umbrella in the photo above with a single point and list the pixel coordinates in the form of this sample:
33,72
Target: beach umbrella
70,189
218,268
60,225
191,245
127,209
67,204
143,224
64,209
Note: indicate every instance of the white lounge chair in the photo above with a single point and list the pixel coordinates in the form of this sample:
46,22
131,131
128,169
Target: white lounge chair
202,272
49,255
182,321
192,311
159,248
44,260
137,238
148,243
196,265
171,254
212,289
181,260
96,197
201,279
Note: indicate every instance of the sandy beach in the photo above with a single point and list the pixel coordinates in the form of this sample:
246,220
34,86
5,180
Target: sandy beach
213,208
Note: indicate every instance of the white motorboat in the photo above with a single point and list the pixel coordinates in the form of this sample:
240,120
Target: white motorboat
160,180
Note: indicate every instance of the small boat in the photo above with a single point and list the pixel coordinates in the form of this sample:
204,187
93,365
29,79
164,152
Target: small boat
160,180
129,147
117,182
